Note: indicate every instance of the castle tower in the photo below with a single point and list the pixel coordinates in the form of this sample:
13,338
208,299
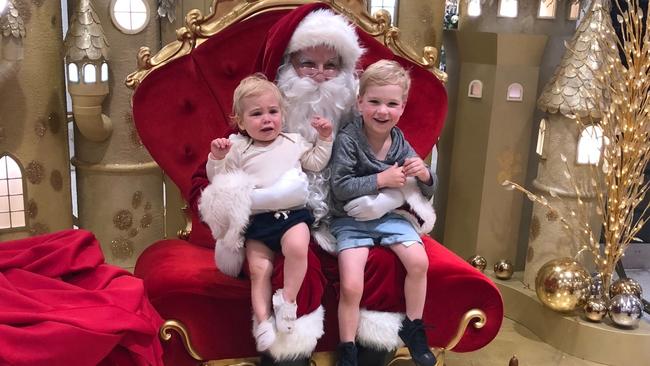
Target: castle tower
119,187
570,91
34,164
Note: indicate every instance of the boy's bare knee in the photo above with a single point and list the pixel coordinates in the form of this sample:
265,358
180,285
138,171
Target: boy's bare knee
351,291
418,267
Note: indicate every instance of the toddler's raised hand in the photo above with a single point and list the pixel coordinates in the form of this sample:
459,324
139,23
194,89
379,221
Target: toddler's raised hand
323,126
219,148
415,167
392,177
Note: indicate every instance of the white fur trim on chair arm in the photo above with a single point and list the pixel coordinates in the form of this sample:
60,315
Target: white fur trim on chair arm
379,329
225,206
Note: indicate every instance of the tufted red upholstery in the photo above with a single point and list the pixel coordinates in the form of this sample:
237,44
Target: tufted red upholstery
178,109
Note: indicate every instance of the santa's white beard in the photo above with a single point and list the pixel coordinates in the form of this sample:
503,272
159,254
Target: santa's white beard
332,99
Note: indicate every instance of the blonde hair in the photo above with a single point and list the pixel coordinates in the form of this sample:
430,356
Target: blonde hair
252,86
385,72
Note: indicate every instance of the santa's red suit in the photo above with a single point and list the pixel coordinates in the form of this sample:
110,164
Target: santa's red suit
383,299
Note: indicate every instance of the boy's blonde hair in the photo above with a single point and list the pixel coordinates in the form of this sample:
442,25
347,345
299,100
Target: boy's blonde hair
385,72
252,86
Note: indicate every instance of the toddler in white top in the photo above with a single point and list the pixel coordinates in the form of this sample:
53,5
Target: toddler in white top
265,153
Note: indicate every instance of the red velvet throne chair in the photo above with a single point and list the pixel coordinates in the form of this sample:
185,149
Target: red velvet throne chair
180,93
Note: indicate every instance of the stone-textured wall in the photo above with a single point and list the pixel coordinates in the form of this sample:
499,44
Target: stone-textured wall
33,128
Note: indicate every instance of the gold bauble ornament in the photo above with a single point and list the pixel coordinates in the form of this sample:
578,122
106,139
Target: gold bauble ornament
625,286
595,309
503,269
477,262
562,284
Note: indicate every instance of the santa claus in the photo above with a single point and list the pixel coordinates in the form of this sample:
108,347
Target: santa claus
313,55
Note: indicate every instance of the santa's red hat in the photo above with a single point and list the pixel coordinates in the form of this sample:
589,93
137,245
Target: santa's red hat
308,26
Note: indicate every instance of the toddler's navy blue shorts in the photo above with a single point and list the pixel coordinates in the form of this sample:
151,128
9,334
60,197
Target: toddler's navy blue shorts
269,227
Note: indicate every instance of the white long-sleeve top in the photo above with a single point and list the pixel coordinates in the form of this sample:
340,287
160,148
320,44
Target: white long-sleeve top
265,164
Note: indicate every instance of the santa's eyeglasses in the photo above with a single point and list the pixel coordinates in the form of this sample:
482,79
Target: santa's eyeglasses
309,68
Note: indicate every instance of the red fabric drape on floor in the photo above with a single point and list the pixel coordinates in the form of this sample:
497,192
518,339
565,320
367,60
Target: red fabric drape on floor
60,304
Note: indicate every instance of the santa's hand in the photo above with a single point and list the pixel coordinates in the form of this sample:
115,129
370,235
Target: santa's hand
289,191
372,207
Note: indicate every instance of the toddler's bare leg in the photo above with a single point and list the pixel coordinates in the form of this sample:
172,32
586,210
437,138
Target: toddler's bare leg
295,245
260,265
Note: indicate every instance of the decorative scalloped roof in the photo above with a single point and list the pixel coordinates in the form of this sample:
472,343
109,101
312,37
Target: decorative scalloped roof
11,23
572,88
85,38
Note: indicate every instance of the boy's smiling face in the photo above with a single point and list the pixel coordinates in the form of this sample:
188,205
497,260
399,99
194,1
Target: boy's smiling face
381,108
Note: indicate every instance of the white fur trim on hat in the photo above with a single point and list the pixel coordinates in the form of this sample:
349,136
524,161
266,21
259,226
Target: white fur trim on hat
323,27
225,207
301,342
379,329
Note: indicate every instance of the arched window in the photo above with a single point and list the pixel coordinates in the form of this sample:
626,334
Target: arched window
541,135
90,75
130,16
475,89
574,10
508,8
515,92
12,196
73,72
590,145
389,5
474,8
547,9
104,71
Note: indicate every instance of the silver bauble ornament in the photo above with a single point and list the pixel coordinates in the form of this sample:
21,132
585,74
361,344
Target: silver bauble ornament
625,310
597,288
503,269
562,284
625,286
477,262
595,309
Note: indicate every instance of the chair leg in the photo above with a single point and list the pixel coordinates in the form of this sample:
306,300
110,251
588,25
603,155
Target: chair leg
368,356
267,360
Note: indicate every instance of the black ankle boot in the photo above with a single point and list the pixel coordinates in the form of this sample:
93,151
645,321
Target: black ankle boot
412,333
369,356
347,354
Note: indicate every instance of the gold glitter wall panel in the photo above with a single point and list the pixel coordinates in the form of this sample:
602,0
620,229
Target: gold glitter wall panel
32,118
491,142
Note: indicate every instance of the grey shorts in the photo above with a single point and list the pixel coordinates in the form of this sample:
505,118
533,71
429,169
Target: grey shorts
387,230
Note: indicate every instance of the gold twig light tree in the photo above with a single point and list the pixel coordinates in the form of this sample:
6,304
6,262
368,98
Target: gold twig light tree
621,74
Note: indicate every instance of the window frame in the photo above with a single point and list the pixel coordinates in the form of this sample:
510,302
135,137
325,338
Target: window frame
602,144
25,227
521,89
480,8
111,10
568,10
540,4
542,132
505,16
469,89
395,15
